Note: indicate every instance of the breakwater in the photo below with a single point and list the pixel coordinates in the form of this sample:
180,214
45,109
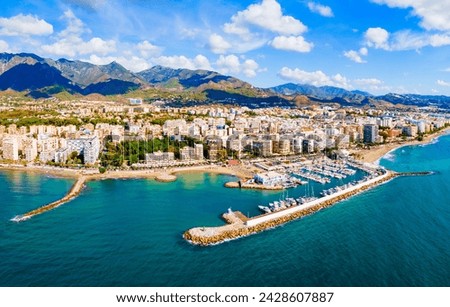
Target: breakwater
74,191
237,227
425,173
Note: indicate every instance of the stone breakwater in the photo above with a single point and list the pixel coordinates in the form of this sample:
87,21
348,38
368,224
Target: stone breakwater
76,189
237,228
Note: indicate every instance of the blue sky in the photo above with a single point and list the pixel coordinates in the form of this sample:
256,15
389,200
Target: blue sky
379,46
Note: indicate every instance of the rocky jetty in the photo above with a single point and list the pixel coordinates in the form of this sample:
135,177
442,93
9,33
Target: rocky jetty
74,191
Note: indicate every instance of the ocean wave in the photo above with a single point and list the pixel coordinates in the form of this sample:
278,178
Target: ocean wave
432,142
389,156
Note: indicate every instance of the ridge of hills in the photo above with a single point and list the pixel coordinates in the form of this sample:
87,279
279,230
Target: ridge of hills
180,86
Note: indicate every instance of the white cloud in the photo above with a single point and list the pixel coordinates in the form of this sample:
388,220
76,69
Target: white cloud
266,15
320,9
404,40
75,27
363,51
443,83
76,46
377,37
356,56
435,14
231,64
249,68
438,40
181,61
316,78
97,45
24,25
218,44
132,63
202,62
4,47
147,49
258,25
293,43
71,44
376,86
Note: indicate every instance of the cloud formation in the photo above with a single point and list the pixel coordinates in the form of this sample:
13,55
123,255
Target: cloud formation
218,44
266,15
320,9
380,38
24,25
316,78
434,14
70,43
443,83
147,49
377,38
181,61
231,64
356,56
291,43
258,25
4,47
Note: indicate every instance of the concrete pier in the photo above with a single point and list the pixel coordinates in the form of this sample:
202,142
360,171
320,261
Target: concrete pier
237,228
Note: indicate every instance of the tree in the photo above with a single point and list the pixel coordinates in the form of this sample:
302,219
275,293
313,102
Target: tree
73,155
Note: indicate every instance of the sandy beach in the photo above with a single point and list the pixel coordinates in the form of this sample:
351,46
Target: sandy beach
237,171
375,153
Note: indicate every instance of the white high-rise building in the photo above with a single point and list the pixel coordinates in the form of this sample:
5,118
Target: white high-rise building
30,149
10,149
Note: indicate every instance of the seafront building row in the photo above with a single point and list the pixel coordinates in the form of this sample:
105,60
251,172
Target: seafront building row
239,131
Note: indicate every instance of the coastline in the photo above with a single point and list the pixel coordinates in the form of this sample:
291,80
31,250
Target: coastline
374,154
82,177
123,174
169,175
43,170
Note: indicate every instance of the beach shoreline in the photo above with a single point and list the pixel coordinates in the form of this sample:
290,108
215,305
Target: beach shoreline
93,174
376,153
372,155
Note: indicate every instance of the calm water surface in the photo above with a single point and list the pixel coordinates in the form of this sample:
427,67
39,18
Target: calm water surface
129,232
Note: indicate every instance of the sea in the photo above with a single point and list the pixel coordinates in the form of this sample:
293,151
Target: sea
129,232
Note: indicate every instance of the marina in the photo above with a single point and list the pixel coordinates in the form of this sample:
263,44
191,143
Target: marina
156,220
238,228
288,209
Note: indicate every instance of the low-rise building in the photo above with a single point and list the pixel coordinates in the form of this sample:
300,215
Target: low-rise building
270,178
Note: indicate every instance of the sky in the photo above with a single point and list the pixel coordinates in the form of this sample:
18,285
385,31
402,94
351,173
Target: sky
378,46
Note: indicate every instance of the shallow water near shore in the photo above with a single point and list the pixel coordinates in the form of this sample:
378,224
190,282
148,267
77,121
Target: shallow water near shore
129,232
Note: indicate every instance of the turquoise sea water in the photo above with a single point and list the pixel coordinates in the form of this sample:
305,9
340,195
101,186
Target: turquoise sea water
129,233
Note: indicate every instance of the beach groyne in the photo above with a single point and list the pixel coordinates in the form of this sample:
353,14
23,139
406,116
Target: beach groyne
237,228
74,191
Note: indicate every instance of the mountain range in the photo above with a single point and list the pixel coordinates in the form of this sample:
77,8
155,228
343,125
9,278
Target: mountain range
42,78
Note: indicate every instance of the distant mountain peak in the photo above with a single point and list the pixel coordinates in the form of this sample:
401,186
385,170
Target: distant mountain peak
20,71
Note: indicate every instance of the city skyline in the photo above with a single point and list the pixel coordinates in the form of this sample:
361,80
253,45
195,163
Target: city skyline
366,45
